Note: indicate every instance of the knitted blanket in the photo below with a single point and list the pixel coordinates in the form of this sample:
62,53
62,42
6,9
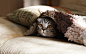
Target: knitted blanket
73,26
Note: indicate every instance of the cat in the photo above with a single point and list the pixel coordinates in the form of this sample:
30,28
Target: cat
45,26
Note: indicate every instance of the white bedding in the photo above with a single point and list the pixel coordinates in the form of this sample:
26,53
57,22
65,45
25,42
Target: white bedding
32,44
39,45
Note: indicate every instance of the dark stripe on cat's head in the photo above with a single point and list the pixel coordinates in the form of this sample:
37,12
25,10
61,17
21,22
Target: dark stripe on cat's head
48,19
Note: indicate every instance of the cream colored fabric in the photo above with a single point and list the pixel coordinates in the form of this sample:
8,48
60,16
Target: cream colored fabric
9,30
40,45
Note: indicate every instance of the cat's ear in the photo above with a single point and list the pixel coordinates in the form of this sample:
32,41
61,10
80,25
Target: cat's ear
39,19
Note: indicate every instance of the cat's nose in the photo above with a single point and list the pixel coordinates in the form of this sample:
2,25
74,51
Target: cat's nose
43,29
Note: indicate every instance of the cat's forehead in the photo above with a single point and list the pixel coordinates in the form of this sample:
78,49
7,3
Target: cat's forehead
43,20
40,19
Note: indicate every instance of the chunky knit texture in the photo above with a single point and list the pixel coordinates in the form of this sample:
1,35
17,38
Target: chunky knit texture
72,26
77,31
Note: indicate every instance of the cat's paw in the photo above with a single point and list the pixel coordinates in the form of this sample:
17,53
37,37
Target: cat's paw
38,35
26,34
31,30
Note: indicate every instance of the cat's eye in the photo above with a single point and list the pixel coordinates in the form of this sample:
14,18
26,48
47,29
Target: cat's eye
40,25
49,26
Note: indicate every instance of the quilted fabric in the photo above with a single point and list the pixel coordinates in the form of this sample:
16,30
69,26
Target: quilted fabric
39,45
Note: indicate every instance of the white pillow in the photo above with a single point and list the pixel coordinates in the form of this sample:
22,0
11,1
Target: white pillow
26,16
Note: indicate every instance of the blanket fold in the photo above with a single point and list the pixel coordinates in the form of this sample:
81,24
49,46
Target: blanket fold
72,26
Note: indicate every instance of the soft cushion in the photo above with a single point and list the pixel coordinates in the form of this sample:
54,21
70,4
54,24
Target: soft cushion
38,45
9,30
26,16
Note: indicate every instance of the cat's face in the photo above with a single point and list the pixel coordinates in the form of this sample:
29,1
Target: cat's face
46,27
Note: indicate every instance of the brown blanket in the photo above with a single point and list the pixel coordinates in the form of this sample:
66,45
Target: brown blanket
69,25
